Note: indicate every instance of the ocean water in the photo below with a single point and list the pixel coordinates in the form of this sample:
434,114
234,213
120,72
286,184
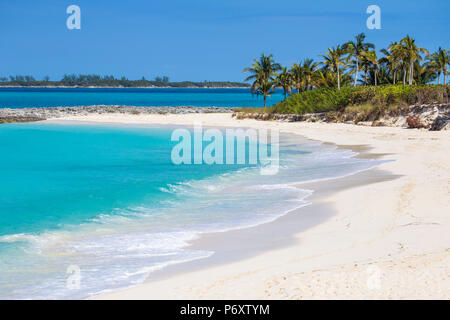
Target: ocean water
67,97
108,200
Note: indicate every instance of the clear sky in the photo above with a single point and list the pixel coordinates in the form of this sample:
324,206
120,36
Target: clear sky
198,39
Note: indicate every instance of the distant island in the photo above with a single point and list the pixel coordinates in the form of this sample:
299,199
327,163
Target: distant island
98,81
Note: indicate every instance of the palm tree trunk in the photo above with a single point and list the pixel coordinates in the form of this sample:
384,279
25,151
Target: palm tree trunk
265,100
376,78
445,74
404,75
339,79
439,77
356,73
411,72
395,73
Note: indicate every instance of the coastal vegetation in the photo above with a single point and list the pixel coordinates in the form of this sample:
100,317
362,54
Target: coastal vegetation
350,98
93,80
422,106
386,96
354,74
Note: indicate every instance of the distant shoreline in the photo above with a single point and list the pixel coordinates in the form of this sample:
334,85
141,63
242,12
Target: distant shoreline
106,87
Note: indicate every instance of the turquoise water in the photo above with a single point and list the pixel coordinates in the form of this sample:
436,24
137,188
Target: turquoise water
53,97
109,200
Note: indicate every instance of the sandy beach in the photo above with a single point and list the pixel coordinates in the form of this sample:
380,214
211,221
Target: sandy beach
379,234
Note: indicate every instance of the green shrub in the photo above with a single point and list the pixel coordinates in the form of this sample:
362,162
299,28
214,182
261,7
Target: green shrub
319,100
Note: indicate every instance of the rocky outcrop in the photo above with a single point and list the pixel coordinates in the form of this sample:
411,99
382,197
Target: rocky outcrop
440,123
13,118
37,114
431,117
435,117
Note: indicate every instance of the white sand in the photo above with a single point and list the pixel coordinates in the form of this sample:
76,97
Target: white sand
386,240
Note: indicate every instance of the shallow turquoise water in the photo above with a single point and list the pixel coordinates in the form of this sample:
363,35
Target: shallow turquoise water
60,164
52,97
109,200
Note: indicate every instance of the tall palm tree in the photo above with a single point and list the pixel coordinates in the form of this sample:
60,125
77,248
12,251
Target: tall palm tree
355,49
284,81
263,72
392,58
298,77
372,59
309,72
333,59
400,57
365,66
440,60
264,88
412,52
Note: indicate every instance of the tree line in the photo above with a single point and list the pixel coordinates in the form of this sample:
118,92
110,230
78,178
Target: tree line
93,80
353,63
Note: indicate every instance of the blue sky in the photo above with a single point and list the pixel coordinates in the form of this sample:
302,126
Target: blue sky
197,39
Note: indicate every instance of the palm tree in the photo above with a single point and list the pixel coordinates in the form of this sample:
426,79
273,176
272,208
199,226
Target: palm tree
412,52
263,72
264,88
372,59
365,66
399,51
325,78
309,72
284,80
384,76
333,60
424,73
440,60
298,77
392,59
355,49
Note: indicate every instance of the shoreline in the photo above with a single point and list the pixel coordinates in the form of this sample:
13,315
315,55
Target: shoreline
252,241
332,259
